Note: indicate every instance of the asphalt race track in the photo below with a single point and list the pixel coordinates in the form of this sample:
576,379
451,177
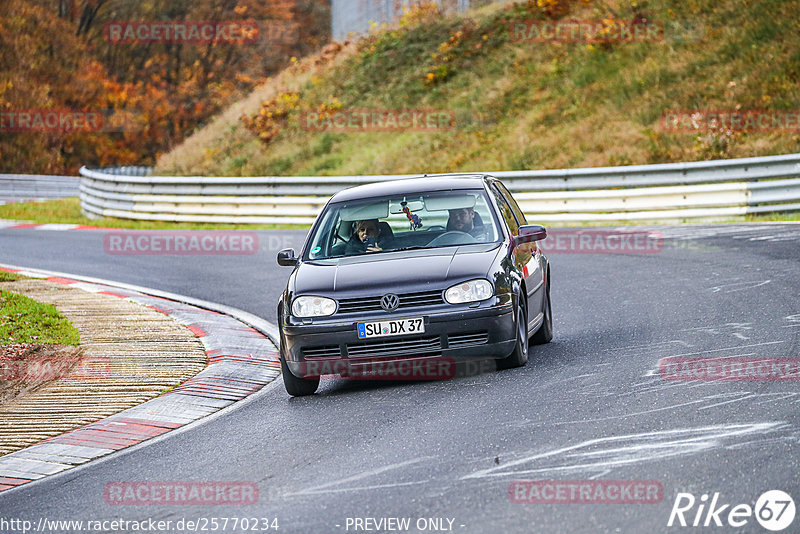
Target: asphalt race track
591,405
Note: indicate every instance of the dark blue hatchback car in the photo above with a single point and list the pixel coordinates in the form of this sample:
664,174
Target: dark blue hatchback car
410,273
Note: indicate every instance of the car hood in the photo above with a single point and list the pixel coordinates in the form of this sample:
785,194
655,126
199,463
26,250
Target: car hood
403,271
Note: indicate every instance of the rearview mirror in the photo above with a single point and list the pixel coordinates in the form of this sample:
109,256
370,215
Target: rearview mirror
529,233
286,257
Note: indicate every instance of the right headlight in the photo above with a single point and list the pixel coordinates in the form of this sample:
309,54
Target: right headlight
308,306
471,291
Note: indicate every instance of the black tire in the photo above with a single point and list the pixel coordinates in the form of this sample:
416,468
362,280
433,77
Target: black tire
519,356
545,333
297,387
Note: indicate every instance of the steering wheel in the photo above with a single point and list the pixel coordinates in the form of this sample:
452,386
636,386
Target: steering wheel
453,237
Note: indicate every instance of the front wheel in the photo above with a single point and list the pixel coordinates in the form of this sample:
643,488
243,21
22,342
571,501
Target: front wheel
297,387
545,333
519,356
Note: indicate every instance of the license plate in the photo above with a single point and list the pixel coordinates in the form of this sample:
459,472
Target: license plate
396,327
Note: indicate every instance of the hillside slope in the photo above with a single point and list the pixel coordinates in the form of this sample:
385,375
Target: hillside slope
520,104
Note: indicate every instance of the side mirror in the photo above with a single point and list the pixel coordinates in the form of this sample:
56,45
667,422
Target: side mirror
529,233
287,258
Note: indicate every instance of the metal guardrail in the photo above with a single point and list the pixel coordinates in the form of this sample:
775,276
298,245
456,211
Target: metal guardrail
707,189
20,187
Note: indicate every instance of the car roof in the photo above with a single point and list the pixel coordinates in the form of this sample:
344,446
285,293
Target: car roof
421,184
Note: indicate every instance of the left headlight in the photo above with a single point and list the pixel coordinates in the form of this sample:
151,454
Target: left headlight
313,307
471,291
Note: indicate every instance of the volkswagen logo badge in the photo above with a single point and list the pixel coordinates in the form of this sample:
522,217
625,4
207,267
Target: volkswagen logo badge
390,302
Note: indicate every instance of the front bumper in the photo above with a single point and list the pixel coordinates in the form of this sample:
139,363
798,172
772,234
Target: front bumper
462,335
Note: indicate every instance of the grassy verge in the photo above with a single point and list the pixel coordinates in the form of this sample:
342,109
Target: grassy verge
23,320
68,211
6,276
773,217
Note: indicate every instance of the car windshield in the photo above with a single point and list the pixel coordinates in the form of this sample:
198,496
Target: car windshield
403,222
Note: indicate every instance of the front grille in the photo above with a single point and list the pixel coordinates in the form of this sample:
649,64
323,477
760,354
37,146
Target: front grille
403,347
467,340
331,351
407,300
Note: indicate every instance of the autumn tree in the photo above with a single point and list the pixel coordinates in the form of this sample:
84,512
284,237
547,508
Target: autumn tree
56,55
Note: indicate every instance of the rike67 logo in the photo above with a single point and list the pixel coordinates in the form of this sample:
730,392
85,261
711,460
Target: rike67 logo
774,510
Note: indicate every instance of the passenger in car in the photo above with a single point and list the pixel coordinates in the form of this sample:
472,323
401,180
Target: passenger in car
467,221
369,236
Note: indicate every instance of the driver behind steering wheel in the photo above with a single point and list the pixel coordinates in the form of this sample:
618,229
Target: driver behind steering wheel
467,221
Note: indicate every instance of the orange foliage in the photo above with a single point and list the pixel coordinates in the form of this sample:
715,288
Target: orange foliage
55,56
272,117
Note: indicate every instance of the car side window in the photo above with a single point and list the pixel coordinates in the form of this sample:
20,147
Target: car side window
513,203
505,211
